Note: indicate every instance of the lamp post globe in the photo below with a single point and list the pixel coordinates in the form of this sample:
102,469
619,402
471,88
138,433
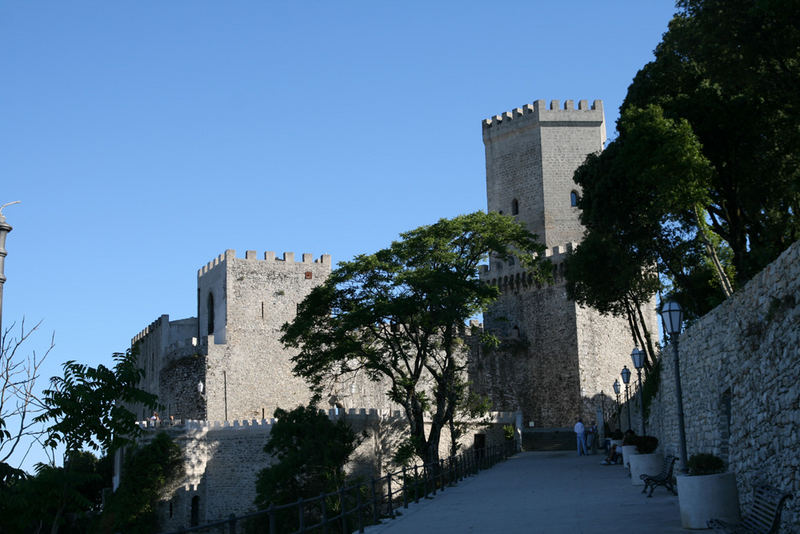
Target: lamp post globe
672,317
626,378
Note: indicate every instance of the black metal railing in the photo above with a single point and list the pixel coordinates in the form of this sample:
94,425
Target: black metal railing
353,507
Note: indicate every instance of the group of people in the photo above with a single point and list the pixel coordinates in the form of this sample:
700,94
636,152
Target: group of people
587,438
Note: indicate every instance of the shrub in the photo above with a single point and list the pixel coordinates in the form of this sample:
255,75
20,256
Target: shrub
630,438
147,473
508,432
705,464
646,444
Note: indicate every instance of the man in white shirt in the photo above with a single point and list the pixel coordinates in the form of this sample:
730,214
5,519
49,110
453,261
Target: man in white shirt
580,431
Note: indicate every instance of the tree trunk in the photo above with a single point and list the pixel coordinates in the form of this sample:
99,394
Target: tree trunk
724,281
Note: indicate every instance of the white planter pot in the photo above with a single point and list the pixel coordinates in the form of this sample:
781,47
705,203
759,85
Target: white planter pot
645,464
707,497
627,452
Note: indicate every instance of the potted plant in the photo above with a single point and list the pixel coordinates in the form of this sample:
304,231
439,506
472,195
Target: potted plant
647,461
707,492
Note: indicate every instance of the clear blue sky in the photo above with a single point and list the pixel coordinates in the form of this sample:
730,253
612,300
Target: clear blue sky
145,138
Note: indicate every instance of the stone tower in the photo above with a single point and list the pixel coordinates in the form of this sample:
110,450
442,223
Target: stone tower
229,363
555,357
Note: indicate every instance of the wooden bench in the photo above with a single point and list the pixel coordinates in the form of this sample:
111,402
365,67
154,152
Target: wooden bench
764,517
664,478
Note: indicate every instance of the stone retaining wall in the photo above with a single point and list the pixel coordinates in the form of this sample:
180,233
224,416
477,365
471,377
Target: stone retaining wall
222,459
740,375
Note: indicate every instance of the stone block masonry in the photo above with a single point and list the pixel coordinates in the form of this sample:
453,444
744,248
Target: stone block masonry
740,375
555,357
246,302
222,458
228,363
531,155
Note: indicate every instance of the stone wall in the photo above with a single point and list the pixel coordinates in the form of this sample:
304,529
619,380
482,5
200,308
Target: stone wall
605,343
250,374
179,394
740,375
222,459
531,155
161,349
555,357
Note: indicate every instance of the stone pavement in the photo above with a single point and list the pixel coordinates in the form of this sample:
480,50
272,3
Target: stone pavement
543,493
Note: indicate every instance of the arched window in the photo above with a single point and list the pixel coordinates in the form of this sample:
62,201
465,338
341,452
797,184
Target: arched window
573,198
514,207
195,518
210,313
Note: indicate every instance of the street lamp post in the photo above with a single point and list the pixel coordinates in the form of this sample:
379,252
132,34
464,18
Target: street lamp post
5,228
672,316
603,411
626,378
638,362
616,392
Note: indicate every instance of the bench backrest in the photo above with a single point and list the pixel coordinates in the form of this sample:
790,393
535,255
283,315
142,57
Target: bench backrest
765,515
669,464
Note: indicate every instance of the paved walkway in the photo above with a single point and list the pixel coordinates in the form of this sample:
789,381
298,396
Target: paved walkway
543,492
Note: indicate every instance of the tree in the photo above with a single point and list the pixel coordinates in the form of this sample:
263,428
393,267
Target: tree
731,69
311,452
642,205
86,408
397,313
147,471
19,404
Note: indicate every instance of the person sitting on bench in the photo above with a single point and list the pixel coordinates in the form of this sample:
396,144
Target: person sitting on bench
614,456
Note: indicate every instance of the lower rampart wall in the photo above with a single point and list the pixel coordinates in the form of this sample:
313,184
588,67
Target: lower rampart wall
740,375
222,459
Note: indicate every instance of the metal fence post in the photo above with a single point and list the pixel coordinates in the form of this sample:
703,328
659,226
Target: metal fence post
343,511
232,524
324,513
374,502
389,493
273,529
359,515
405,488
300,514
416,483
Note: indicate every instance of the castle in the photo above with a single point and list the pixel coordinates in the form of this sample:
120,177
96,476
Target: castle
558,359
228,365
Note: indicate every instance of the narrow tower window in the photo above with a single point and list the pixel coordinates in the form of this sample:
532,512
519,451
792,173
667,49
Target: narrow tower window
210,313
514,207
194,518
573,199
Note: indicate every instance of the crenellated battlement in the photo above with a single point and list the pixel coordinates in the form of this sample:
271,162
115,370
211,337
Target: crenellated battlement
356,416
269,256
514,277
540,112
151,328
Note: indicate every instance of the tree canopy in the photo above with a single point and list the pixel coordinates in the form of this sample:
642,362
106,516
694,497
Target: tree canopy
731,69
397,315
310,452
86,408
703,181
